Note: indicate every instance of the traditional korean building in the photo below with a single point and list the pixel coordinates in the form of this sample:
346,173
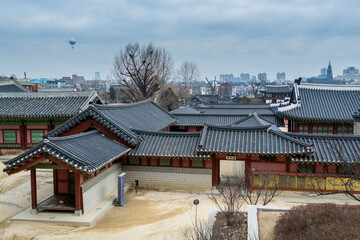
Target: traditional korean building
320,108
274,93
26,116
193,118
88,151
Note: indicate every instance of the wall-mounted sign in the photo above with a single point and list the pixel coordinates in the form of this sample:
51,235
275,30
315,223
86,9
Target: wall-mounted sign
230,158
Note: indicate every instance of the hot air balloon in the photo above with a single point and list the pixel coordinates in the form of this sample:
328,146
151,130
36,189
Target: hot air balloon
72,42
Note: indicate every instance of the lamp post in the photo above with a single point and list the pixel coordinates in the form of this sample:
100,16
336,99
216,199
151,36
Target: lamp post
196,202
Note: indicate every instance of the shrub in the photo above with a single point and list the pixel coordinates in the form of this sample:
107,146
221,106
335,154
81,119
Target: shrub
319,221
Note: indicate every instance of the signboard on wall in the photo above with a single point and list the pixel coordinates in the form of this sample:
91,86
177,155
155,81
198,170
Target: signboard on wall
230,157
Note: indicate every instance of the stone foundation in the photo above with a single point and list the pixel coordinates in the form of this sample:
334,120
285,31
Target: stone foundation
169,177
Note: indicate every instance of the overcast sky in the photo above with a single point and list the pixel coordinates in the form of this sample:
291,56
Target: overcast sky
251,36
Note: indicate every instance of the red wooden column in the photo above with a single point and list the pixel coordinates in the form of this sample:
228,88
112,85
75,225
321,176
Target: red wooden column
215,170
23,137
247,170
78,194
55,181
33,188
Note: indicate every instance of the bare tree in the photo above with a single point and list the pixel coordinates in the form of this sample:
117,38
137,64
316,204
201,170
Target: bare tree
348,182
142,70
230,199
255,85
167,99
188,73
267,187
214,90
197,231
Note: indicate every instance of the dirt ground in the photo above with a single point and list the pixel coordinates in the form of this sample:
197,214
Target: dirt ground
267,222
149,214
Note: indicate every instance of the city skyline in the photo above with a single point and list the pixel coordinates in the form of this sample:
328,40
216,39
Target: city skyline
297,38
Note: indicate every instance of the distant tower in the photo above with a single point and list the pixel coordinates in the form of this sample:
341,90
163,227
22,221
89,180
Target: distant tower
97,75
329,73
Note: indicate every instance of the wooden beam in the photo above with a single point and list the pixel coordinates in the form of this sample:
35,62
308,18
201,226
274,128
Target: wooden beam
47,166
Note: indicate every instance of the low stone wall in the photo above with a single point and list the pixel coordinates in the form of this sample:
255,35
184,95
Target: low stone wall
169,177
98,187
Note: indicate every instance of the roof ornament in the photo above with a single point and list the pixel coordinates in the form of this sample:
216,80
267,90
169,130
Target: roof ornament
298,81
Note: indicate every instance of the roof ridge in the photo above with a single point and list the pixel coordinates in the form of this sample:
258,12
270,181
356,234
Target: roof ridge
82,134
139,131
318,135
289,138
264,127
122,106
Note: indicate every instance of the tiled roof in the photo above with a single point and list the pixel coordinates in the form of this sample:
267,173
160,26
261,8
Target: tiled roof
276,89
329,148
44,105
254,140
122,119
221,120
10,85
253,120
167,144
185,110
335,103
145,115
86,152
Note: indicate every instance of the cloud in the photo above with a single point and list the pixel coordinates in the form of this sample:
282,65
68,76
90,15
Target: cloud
297,37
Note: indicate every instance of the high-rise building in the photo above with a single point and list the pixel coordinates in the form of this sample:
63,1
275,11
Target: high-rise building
323,72
262,77
329,73
350,71
280,76
245,77
97,75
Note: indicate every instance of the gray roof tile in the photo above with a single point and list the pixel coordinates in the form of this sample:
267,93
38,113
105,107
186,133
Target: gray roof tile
254,140
333,149
86,152
167,144
44,105
335,103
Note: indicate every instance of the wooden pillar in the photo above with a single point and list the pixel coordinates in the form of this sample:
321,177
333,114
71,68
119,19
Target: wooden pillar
23,138
215,170
50,126
78,193
33,188
296,127
55,181
247,170
335,129
289,125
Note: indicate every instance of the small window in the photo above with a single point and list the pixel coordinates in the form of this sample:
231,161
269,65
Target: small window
36,136
345,129
306,168
9,136
134,160
197,163
164,162
346,170
303,128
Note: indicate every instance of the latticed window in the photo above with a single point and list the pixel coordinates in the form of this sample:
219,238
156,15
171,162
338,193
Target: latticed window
323,129
306,168
345,129
36,136
303,128
164,162
134,160
197,163
9,136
